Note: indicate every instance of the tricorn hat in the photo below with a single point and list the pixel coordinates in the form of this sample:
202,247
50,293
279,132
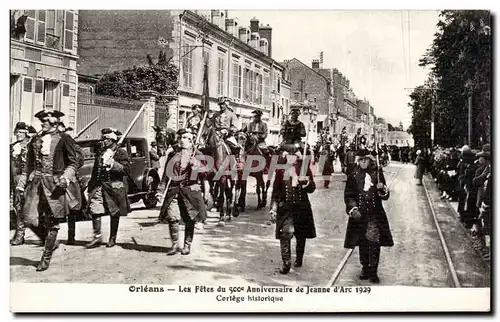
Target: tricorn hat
49,112
184,131
110,133
196,107
364,153
224,99
23,127
257,112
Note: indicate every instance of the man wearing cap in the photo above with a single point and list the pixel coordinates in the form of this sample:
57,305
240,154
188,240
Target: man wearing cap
293,131
359,140
258,128
225,123
18,152
368,226
107,189
184,198
47,180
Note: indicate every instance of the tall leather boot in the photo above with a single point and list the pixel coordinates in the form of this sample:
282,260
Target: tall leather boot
374,255
96,227
174,235
286,255
115,221
20,229
71,230
364,259
50,243
188,237
299,251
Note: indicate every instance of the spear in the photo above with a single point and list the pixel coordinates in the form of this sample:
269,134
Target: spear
85,128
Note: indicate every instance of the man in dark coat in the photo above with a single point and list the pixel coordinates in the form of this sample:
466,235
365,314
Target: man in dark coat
18,152
293,131
154,157
291,210
225,123
49,181
368,226
107,189
258,128
184,198
359,140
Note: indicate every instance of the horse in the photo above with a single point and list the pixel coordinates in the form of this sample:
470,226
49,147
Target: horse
250,143
165,138
223,190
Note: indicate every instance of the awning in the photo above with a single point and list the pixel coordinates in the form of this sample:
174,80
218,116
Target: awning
321,118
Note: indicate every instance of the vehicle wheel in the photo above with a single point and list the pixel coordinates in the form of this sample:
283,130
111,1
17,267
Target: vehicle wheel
150,200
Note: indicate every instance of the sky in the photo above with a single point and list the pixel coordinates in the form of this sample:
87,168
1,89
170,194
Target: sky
378,51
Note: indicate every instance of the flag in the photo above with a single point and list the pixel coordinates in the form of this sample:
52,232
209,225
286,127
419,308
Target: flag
205,97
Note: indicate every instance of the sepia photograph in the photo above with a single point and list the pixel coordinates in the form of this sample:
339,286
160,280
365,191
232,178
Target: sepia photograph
229,160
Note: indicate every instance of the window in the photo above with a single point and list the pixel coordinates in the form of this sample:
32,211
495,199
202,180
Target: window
296,96
50,97
246,85
220,77
267,93
274,110
251,77
187,66
30,25
35,26
68,30
41,27
236,80
278,85
258,88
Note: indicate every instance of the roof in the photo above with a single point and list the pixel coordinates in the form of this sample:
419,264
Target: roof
286,64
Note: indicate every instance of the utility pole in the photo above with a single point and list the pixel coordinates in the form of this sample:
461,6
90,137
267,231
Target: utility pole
469,120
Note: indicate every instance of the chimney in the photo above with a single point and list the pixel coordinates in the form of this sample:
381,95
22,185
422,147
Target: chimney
216,17
266,32
231,27
264,46
254,40
254,25
315,64
244,34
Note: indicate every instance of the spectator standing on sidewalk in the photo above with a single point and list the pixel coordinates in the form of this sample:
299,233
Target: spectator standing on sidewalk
420,163
479,179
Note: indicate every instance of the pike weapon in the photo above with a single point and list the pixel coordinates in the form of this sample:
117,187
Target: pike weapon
85,128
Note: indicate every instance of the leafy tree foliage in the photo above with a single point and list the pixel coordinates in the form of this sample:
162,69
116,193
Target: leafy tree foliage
460,62
161,77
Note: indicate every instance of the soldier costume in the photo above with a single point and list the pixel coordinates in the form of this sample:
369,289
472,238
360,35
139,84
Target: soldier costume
107,189
184,198
368,226
49,182
194,120
225,123
293,131
258,128
18,151
291,209
359,140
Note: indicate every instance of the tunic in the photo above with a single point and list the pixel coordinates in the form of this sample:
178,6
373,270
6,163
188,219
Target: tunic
294,215
293,132
225,120
49,157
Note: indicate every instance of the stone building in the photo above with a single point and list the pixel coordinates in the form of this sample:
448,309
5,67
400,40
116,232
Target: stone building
43,64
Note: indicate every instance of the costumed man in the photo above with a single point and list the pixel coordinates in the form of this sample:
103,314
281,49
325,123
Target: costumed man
359,140
194,120
225,123
258,128
107,187
293,131
49,182
368,226
154,157
185,199
18,151
291,210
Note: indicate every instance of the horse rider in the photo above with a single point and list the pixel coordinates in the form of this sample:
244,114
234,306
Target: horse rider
225,123
194,120
48,181
258,128
359,140
293,131
18,152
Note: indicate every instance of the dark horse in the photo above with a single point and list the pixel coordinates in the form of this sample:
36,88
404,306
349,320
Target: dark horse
251,146
222,186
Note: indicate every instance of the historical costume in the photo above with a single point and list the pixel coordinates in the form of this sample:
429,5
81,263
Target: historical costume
293,131
154,157
359,140
291,210
107,188
327,150
225,123
420,167
368,226
184,198
194,120
258,128
49,181
18,152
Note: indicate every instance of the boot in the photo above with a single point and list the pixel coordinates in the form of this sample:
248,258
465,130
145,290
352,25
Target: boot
286,256
373,277
188,237
19,236
50,246
299,251
97,239
174,234
71,230
115,221
365,273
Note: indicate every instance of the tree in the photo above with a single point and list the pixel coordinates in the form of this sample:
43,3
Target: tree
161,77
421,105
460,61
390,128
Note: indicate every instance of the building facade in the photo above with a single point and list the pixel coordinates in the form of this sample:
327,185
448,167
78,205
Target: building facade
400,139
43,64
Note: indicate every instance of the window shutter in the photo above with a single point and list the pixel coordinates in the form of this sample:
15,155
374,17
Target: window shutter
30,25
27,100
68,30
41,26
